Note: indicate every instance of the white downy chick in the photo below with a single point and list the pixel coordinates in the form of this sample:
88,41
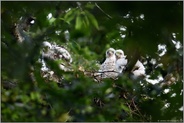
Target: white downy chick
107,69
121,62
140,71
47,45
46,48
62,53
47,51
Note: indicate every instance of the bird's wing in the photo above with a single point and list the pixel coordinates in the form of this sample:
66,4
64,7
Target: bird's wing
139,65
122,62
104,65
63,53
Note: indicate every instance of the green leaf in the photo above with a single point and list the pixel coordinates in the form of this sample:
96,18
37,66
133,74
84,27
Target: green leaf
78,23
69,16
86,21
90,5
92,19
35,96
52,20
125,108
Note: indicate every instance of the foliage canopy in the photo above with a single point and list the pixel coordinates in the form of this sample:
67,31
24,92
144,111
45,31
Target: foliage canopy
87,29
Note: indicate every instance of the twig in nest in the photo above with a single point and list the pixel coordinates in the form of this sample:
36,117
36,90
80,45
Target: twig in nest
98,75
98,102
132,111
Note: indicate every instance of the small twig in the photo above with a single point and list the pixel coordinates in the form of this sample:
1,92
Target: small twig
100,72
96,74
137,109
103,11
119,87
134,111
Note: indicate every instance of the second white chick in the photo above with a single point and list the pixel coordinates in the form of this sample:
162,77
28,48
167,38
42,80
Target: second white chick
121,61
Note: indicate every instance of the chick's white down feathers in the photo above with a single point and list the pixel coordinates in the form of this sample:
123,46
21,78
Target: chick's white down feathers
47,44
109,63
107,68
62,53
55,52
140,71
121,62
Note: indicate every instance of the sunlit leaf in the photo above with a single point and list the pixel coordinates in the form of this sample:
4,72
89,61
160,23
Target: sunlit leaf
64,117
79,23
52,20
125,108
70,15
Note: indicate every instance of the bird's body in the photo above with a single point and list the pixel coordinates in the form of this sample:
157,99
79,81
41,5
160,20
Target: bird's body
55,52
62,53
47,51
107,68
121,61
108,64
140,71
